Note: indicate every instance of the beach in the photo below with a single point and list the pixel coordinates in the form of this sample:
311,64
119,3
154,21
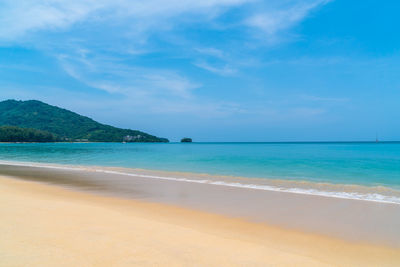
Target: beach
199,133
68,223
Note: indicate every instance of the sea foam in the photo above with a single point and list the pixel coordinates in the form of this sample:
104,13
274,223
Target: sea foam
371,196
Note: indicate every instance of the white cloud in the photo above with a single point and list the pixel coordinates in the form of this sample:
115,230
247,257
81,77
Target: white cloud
24,16
110,75
272,21
174,83
18,18
223,64
225,70
211,51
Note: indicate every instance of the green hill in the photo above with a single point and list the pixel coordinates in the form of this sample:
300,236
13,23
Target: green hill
64,124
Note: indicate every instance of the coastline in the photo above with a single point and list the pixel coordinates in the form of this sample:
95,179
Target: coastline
348,219
45,225
378,193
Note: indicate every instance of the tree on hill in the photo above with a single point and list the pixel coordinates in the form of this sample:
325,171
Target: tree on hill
17,134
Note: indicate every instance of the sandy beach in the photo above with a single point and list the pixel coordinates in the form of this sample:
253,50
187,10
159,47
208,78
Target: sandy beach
44,225
348,219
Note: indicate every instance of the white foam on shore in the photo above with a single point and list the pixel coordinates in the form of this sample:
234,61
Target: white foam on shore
374,197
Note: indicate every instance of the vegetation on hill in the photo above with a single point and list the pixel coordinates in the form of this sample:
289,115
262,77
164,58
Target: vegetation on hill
65,124
186,140
17,134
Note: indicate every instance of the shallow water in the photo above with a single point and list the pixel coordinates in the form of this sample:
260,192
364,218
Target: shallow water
370,164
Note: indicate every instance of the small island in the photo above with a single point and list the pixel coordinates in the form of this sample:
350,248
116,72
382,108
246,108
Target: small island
186,140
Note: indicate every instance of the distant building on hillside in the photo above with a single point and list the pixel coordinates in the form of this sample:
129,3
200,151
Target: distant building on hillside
127,138
130,138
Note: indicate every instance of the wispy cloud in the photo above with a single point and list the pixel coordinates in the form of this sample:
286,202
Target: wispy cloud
109,75
325,99
19,18
25,16
163,91
124,26
221,70
273,20
216,61
211,51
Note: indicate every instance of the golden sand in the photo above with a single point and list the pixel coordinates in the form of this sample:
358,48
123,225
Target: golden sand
43,225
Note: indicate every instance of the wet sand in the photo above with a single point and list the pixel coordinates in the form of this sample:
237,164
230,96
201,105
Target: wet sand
45,225
351,220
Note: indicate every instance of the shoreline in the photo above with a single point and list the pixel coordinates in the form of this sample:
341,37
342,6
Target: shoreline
378,193
45,225
348,219
227,142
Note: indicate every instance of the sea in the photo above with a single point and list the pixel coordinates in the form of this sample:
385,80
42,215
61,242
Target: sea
357,170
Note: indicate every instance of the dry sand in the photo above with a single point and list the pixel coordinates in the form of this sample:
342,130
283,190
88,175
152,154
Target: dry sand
43,225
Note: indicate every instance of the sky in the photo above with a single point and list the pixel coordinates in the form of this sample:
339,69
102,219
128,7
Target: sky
212,70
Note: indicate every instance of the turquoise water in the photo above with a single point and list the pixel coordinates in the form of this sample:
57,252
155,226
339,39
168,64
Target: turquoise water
368,164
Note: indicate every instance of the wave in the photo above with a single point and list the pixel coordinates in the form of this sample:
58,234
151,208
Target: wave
312,190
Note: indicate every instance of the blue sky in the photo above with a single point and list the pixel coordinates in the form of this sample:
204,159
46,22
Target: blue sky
213,70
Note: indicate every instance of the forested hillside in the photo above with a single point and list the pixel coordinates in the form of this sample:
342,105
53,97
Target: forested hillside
64,124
